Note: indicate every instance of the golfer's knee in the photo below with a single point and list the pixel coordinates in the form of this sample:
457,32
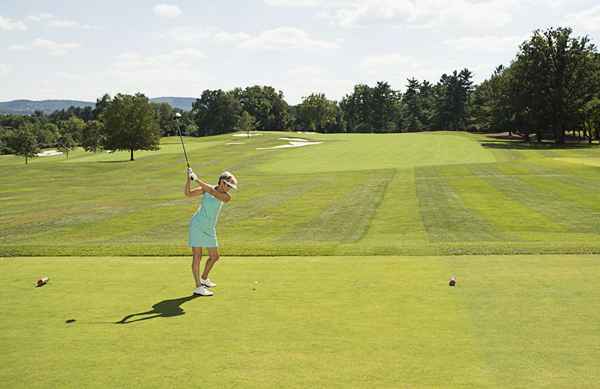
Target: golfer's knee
214,257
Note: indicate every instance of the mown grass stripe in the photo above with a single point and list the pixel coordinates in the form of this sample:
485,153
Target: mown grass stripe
398,219
345,217
444,213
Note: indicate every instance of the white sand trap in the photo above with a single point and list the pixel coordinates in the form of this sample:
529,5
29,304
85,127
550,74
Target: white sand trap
49,153
291,144
294,139
235,143
246,135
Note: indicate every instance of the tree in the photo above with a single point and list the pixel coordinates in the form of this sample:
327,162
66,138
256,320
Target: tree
130,123
591,119
357,109
247,123
46,134
452,95
385,107
556,75
101,106
166,119
426,101
266,104
66,143
216,112
411,107
74,127
21,141
93,137
316,113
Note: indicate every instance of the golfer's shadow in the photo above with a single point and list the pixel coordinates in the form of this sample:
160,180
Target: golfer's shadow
165,308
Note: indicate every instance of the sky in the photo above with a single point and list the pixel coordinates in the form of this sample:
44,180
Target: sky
81,50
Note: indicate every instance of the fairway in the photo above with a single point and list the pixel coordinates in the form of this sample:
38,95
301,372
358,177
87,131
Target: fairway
512,321
336,260
354,194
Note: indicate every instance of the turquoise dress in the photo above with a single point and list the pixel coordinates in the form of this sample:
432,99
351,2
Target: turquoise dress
203,226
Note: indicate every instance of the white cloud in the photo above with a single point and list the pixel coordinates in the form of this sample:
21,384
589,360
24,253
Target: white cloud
9,24
188,35
18,48
372,12
307,71
488,43
231,37
5,69
172,65
167,11
301,81
285,38
56,23
377,63
587,20
293,3
40,17
275,39
71,76
396,68
468,14
54,48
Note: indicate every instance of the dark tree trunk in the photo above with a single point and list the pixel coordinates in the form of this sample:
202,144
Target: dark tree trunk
560,139
131,158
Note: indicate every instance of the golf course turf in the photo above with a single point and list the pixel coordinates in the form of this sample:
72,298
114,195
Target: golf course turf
385,321
334,272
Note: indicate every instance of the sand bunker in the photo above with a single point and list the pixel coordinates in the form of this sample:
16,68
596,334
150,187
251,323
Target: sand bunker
235,143
49,153
294,139
293,142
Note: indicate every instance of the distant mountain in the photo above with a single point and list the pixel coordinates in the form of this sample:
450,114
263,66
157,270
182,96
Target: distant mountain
184,103
27,107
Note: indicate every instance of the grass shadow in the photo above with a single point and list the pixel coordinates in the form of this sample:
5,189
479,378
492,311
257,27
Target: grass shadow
521,145
165,308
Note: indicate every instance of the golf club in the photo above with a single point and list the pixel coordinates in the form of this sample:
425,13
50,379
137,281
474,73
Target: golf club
187,161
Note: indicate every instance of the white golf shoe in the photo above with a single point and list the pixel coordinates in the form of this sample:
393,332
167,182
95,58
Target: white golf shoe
207,283
202,291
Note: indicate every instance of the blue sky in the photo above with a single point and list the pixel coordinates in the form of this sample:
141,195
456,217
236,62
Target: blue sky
81,50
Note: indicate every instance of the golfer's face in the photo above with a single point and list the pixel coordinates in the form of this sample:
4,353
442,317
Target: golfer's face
224,186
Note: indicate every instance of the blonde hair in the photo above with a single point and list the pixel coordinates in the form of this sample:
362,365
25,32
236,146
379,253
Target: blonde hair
229,179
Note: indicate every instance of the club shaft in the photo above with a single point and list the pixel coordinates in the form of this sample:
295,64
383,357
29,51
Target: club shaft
187,161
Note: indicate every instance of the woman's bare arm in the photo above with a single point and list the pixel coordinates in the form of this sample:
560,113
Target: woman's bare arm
189,191
224,197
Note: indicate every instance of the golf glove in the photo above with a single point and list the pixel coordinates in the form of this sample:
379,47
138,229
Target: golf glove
191,174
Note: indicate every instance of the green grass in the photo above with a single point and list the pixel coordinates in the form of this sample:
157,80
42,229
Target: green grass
334,273
402,194
512,321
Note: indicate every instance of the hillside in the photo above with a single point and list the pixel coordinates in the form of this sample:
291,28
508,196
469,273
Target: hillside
27,107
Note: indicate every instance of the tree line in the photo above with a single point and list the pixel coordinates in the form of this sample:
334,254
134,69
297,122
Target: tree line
549,90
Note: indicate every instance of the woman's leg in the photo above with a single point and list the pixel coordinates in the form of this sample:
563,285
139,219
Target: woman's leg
213,257
197,253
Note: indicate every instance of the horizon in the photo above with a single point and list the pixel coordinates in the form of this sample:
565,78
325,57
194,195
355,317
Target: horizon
180,48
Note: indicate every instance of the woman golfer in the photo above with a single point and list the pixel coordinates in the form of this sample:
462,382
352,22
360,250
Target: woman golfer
203,225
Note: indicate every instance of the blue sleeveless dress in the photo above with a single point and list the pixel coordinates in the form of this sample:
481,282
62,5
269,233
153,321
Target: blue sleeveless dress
203,226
